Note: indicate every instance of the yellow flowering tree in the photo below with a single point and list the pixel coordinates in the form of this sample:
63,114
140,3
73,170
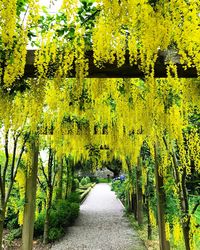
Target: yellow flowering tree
106,112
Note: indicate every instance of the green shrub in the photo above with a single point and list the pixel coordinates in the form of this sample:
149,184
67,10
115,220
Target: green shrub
86,186
13,223
115,185
80,191
120,189
14,234
62,214
74,197
94,179
11,220
39,224
121,192
76,183
55,233
83,181
74,211
88,179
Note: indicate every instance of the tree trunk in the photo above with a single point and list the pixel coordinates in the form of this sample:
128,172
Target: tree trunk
127,201
149,227
1,233
68,180
2,218
49,195
180,179
30,199
185,211
130,201
183,198
186,234
139,193
134,205
47,217
129,196
164,244
60,181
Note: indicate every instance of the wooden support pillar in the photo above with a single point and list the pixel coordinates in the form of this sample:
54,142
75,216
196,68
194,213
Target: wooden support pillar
164,243
30,198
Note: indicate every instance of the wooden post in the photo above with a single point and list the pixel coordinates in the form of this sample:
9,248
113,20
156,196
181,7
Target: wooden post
30,198
164,244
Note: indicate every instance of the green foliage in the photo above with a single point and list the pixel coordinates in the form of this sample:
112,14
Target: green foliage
94,179
39,223
21,6
88,179
120,189
55,233
74,197
14,234
102,180
59,215
74,211
12,223
76,183
85,180
172,202
115,185
94,154
2,158
62,214
194,200
86,16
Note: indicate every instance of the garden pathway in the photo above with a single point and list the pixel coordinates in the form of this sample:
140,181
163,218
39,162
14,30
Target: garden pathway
101,225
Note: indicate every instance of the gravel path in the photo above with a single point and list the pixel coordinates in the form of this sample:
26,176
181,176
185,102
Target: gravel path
101,225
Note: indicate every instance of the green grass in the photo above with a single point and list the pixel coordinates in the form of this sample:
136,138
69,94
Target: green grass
104,180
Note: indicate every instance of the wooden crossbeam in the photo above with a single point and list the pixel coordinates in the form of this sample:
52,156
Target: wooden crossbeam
126,71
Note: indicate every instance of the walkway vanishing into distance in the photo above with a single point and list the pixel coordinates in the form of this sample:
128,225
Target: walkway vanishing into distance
101,225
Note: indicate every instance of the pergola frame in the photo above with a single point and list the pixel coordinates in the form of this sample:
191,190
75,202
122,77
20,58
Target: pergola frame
128,71
125,71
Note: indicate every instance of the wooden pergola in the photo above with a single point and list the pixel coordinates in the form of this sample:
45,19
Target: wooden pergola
125,71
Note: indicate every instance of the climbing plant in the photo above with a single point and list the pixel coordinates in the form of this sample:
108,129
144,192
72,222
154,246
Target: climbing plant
103,119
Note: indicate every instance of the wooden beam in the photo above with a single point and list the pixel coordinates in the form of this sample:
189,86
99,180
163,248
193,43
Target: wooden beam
126,71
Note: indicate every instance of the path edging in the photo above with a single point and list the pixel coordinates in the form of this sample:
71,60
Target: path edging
85,194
